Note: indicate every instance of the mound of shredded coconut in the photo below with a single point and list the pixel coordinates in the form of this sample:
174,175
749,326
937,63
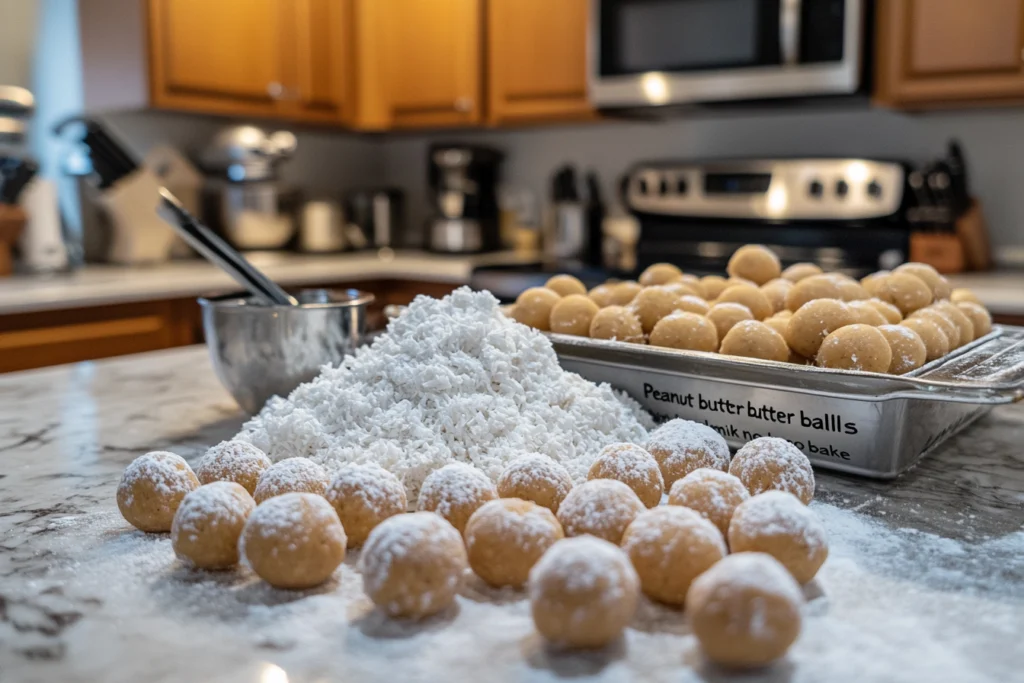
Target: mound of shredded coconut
452,380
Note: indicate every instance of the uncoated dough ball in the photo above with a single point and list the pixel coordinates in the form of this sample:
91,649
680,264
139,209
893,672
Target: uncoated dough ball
583,593
756,263
652,304
235,461
855,347
683,289
624,292
291,475
943,321
151,489
713,285
712,494
776,291
687,331
980,317
724,315
873,282
964,326
413,565
659,274
866,313
752,339
681,446
768,463
931,277
908,350
617,323
745,611
891,314
693,304
800,271
564,285
634,467
573,315
960,295
815,287
906,292
294,540
813,322
602,295
533,307
850,289
751,297
536,478
670,546
209,523
936,343
364,495
599,507
455,491
778,524
506,537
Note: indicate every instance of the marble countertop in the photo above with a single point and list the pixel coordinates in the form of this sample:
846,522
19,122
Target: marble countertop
924,582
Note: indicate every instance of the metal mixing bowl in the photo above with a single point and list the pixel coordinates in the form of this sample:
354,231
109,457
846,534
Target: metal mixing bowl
259,350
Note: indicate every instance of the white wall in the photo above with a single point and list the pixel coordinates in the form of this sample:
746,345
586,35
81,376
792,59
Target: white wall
17,39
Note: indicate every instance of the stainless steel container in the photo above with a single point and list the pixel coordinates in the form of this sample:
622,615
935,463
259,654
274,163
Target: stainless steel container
260,351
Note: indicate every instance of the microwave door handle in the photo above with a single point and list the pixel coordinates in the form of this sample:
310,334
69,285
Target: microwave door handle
789,31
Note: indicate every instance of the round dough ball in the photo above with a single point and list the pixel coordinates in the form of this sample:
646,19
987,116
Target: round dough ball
936,343
634,467
779,324
687,331
564,285
812,288
745,611
670,546
776,291
652,304
681,446
724,315
931,277
599,507
455,491
801,271
961,295
980,317
583,614
850,289
752,339
865,313
756,263
814,321
944,322
291,475
506,537
659,274
692,304
209,523
294,540
770,463
712,494
711,286
533,307
624,292
680,288
617,323
964,326
891,314
778,524
691,281
602,295
235,461
874,281
573,315
151,489
907,292
536,478
364,495
413,565
751,297
908,350
855,347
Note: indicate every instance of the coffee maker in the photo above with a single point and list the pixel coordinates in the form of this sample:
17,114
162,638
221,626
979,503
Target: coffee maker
464,201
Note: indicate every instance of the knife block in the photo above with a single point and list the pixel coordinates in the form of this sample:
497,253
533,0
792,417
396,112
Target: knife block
12,222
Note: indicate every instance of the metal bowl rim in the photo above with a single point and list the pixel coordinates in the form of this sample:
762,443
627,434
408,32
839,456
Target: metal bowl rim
239,302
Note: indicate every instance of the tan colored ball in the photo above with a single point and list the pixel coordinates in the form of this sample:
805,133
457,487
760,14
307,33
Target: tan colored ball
294,540
944,322
751,297
687,331
235,461
777,523
812,288
855,347
712,494
891,314
455,491
652,304
776,291
961,295
573,315
692,304
964,326
936,343
866,314
683,289
779,324
506,537
756,263
670,546
659,274
624,292
564,285
413,565
873,282
533,307
931,277
209,523
681,446
908,350
602,295
814,321
634,467
769,463
801,271
711,286
981,319
691,281
617,323
364,495
752,339
724,315
599,507
850,289
536,478
151,489
299,475
907,292
576,613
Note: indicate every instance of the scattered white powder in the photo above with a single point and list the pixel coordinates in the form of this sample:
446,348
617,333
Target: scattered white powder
585,565
452,380
679,441
775,462
167,473
778,513
291,474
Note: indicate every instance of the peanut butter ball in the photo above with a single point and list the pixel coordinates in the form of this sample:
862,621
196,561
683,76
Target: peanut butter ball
944,322
855,347
756,263
151,489
778,324
687,331
652,304
364,495
963,324
711,493
712,285
936,343
961,295
866,313
533,307
931,277
769,463
634,467
603,295
208,524
564,285
813,322
850,289
811,288
873,282
691,281
291,475
907,292
753,339
776,291
455,491
908,351
800,271
681,446
681,288
573,315
506,537
236,461
981,319
659,274
777,523
693,304
536,478
599,507
891,314
617,323
624,292
751,297
724,315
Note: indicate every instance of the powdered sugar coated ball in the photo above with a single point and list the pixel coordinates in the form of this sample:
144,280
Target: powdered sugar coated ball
713,494
364,496
599,507
583,593
236,461
291,475
294,540
455,491
208,524
506,537
775,522
768,463
634,467
536,478
681,446
152,487
412,565
745,610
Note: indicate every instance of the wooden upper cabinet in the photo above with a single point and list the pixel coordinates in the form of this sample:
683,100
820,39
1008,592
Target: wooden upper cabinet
322,49
537,60
936,52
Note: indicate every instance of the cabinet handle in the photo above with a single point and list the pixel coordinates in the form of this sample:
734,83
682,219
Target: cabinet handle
464,104
275,90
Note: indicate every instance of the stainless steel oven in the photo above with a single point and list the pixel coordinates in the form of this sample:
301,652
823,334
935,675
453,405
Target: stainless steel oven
655,53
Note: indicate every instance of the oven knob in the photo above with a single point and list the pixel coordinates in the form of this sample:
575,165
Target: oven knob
842,188
874,189
816,189
663,187
681,185
643,186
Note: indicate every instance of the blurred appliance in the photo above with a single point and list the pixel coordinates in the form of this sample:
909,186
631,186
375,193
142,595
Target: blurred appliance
565,229
322,227
844,214
464,198
656,53
244,198
374,217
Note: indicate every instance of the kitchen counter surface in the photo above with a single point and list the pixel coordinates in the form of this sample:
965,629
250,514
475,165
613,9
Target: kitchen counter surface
924,582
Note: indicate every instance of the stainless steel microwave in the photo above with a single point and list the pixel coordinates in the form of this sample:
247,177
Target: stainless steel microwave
655,53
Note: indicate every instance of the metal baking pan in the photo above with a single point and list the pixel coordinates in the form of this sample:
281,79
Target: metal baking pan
865,423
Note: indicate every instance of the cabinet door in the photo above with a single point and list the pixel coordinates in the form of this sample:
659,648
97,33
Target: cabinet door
320,44
950,51
537,60
419,63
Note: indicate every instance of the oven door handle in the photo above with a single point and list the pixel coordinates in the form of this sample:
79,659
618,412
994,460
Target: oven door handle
789,31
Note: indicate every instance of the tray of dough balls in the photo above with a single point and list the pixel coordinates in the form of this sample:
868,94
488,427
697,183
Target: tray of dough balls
863,376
